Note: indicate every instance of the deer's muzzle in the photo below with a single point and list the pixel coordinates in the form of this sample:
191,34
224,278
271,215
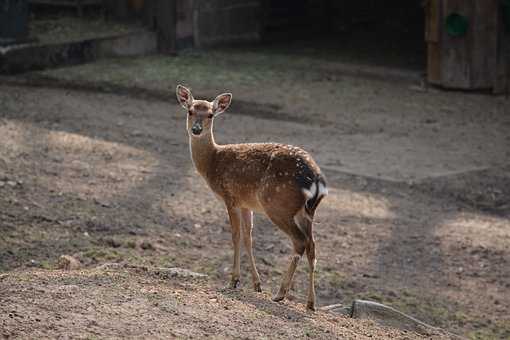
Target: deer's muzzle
196,129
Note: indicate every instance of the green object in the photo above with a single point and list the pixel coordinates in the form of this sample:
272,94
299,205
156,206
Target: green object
456,25
505,12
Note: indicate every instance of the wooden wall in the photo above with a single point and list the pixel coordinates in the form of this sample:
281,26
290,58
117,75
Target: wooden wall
502,73
226,21
463,62
161,16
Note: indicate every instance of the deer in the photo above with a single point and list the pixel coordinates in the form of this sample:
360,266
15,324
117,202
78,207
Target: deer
280,181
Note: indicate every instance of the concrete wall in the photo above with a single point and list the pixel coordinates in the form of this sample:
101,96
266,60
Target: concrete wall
29,57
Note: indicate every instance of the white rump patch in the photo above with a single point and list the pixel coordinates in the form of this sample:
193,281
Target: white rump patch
309,193
323,191
299,220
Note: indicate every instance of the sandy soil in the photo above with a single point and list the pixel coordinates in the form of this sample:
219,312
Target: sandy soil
107,178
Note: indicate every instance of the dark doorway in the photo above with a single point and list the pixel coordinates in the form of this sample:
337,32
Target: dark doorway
387,33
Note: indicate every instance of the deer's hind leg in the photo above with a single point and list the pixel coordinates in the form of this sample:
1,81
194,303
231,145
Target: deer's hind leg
305,224
281,203
299,249
247,224
299,244
310,254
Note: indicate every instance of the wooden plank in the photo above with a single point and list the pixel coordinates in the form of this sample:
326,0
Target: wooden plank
184,29
456,51
502,73
433,39
434,63
484,44
227,21
166,22
432,21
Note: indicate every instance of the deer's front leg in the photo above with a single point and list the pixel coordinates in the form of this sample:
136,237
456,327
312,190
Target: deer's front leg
247,218
235,221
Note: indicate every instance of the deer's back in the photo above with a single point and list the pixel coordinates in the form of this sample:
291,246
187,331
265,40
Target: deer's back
251,175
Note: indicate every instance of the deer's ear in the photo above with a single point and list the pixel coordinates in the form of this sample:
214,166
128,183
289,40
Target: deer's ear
184,96
221,103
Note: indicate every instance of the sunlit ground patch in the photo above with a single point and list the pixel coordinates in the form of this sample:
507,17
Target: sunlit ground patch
205,207
477,230
72,163
354,204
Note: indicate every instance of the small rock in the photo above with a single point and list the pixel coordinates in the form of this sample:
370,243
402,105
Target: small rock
430,121
266,262
34,263
146,245
110,266
111,242
12,183
167,273
67,262
102,204
370,276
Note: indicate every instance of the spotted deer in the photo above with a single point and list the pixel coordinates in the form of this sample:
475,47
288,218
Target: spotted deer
281,181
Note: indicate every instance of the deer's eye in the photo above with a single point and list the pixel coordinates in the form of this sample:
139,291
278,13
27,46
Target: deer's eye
190,113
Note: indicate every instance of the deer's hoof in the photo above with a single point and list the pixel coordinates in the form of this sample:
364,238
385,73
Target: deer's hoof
310,305
234,283
257,288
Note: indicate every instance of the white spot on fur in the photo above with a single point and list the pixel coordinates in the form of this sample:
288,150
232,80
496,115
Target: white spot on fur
309,193
298,219
323,191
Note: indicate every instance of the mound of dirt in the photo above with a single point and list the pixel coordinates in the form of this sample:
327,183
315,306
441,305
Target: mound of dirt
114,301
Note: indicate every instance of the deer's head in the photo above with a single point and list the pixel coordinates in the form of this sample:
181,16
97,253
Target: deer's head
201,113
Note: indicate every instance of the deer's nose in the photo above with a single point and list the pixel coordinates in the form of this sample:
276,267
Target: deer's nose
196,129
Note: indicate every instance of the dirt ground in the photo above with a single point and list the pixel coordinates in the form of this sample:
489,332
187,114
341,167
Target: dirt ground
135,304
417,216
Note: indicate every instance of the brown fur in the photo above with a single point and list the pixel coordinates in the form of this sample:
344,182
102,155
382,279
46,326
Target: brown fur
263,177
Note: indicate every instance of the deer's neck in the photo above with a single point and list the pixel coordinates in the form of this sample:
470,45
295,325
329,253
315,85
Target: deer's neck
203,150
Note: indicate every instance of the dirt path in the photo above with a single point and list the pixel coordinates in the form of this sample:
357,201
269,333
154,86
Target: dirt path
108,178
384,128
